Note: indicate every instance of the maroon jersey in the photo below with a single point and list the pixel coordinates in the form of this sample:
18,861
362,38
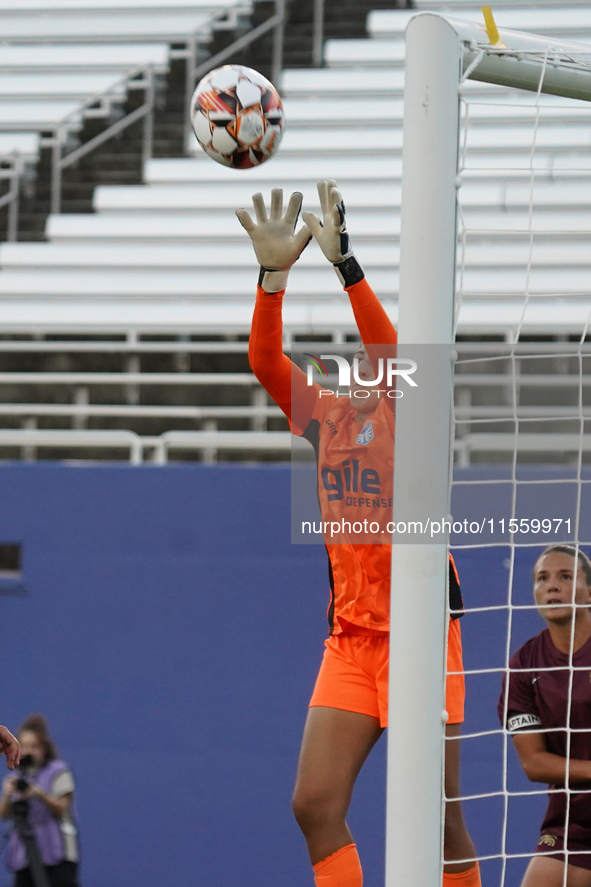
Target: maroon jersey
539,700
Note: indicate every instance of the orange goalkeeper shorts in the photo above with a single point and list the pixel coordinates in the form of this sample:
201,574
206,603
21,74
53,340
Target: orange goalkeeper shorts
354,675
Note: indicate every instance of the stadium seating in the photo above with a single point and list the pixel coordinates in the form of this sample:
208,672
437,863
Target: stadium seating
56,81
50,88
23,144
120,21
57,87
40,116
88,58
316,145
169,259
110,27
89,8
95,57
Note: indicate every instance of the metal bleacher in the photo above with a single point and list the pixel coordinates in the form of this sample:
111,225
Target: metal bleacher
345,121
128,327
64,63
113,21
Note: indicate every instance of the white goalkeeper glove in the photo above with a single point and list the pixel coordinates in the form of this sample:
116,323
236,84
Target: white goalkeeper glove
275,244
331,233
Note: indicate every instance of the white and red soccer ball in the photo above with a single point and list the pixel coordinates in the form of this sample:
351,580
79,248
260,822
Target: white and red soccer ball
237,116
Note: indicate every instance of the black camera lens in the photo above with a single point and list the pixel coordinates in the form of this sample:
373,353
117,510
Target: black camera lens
26,763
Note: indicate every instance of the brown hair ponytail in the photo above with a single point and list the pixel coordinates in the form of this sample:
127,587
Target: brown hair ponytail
37,724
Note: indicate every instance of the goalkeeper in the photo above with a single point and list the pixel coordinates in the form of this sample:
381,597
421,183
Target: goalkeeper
348,710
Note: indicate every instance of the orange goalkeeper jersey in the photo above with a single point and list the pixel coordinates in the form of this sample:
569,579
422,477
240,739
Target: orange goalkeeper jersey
355,462
355,467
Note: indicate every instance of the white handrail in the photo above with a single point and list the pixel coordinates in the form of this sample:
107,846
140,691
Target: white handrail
487,442
540,349
209,442
36,378
227,440
528,380
60,134
134,411
180,440
35,437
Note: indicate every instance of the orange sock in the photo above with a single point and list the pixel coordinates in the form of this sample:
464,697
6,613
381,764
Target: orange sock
340,869
469,878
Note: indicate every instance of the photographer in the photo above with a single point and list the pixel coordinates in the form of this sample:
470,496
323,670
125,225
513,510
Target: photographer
41,798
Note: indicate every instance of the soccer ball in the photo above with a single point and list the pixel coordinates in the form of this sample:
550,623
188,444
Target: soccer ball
237,116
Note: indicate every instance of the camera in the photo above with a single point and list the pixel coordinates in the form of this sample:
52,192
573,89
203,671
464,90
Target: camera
26,763
22,823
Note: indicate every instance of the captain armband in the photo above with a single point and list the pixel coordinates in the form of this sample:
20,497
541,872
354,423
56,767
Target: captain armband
518,723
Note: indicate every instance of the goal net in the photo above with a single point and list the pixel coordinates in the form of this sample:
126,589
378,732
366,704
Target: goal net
495,287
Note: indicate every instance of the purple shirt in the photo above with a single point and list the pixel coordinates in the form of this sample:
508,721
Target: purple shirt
539,698
46,826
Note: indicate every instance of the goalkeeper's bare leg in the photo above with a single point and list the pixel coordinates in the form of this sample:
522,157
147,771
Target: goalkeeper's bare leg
335,745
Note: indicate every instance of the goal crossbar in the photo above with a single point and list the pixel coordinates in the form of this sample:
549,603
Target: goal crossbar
520,61
440,53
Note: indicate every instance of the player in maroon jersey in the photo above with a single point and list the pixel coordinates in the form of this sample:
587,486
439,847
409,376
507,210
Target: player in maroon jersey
537,709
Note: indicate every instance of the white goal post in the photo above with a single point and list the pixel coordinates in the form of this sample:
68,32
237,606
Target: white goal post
440,52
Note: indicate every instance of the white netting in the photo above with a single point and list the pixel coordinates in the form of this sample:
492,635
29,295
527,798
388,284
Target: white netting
523,407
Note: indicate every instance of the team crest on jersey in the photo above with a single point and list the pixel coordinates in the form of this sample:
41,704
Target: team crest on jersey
365,435
548,840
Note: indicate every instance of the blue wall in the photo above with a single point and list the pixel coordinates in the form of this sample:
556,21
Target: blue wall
171,633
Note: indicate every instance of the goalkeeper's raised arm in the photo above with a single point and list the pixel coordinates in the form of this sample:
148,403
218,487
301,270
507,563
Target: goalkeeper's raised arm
277,246
331,235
